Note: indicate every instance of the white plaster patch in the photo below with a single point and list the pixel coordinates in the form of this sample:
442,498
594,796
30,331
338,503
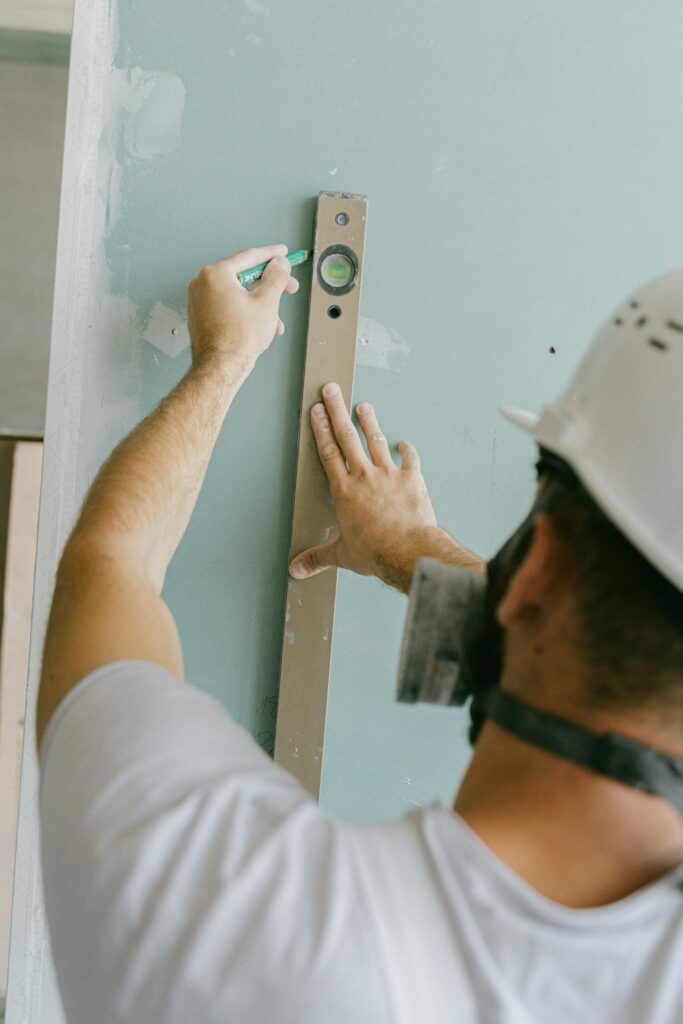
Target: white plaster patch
256,7
334,171
167,331
148,107
142,120
380,347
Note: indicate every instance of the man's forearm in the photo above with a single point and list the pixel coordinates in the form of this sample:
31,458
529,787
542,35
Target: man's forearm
397,568
144,495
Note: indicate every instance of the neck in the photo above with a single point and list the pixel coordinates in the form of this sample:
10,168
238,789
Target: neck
579,838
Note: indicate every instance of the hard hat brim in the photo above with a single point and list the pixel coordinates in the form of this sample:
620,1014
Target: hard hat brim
527,421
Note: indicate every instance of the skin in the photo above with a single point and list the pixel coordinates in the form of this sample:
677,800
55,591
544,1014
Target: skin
578,838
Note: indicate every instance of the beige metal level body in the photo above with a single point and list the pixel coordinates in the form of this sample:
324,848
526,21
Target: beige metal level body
307,642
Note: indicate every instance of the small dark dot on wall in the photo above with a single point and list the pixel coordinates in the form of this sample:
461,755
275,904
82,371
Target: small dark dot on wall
552,350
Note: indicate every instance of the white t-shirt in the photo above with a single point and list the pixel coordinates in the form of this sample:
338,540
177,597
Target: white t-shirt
189,880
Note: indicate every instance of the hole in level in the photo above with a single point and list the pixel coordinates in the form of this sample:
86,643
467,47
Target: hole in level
634,305
641,321
656,343
618,321
342,219
334,312
674,325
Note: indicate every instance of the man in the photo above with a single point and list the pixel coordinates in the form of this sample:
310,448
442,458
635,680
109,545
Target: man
189,879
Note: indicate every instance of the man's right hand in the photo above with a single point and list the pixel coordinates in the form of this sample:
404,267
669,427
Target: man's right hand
384,513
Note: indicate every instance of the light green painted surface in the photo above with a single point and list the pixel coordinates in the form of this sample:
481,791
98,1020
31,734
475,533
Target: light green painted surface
522,162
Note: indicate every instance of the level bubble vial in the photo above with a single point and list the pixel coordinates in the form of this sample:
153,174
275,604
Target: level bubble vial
337,270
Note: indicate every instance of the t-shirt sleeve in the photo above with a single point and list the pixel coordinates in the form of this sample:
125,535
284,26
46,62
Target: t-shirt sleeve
187,876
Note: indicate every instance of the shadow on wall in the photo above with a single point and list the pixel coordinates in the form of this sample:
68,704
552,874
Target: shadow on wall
33,85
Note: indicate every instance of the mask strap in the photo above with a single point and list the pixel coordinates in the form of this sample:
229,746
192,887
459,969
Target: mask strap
611,754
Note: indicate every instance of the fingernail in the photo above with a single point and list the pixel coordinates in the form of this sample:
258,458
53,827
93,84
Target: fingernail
364,408
297,570
330,390
318,409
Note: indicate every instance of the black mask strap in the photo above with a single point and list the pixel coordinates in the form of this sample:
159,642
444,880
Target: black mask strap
611,754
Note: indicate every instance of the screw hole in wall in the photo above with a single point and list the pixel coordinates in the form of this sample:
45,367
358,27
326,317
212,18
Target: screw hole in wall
334,312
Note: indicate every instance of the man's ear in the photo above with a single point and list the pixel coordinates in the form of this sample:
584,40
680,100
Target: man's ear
546,567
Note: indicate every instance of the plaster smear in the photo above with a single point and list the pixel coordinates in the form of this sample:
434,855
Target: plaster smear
142,120
380,347
167,330
148,108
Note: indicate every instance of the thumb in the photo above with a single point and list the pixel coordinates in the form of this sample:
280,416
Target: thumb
313,561
275,277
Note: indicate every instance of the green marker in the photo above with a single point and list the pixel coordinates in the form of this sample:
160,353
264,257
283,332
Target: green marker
295,258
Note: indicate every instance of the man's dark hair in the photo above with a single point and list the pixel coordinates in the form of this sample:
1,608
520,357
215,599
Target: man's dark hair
629,617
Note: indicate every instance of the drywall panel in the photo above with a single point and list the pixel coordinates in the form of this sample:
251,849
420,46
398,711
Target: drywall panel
522,163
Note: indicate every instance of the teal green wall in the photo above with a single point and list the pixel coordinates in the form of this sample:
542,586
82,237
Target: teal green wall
523,165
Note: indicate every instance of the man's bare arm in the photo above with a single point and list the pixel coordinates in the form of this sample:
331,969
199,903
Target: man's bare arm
107,604
385,516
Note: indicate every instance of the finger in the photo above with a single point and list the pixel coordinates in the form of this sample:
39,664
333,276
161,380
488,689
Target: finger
409,457
328,449
376,441
248,258
344,430
280,329
274,279
291,288
313,561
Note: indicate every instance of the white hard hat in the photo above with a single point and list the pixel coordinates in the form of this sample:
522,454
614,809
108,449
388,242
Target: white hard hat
619,424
